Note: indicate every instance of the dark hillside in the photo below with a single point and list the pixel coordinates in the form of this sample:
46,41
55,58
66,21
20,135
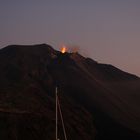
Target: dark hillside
99,101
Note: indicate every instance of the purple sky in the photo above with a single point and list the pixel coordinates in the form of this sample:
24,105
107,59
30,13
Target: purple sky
105,30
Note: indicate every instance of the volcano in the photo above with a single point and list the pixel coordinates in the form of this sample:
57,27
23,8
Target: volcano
98,101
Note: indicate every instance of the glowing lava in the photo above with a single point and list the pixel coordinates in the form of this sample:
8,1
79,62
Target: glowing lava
63,49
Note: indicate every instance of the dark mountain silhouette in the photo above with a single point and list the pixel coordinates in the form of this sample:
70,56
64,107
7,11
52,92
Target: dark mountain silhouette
99,101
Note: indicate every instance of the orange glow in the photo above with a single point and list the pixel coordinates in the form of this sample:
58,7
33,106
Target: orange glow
63,49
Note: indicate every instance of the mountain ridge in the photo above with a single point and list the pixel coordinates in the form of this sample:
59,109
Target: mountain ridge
100,95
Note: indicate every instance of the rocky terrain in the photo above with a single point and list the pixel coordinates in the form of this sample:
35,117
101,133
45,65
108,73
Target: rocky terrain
98,101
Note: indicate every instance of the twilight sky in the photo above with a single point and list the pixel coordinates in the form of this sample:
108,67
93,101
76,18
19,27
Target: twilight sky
105,30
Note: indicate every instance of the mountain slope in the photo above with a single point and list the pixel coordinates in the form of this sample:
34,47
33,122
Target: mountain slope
98,100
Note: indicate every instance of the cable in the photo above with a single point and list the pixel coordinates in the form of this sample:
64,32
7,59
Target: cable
63,125
56,115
